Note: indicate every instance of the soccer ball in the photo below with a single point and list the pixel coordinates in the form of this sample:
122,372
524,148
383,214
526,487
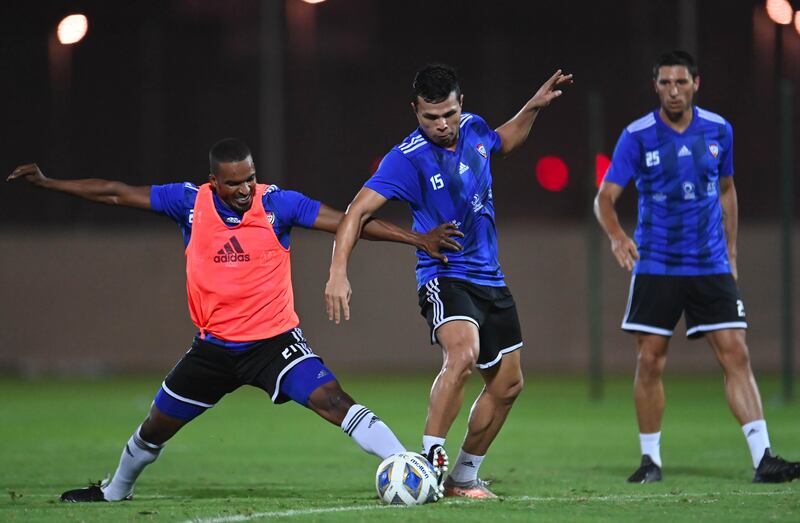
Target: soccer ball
406,479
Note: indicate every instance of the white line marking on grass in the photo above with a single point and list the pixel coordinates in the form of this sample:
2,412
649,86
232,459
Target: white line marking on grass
287,513
644,497
541,499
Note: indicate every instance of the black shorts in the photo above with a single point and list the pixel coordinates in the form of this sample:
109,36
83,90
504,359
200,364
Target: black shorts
709,303
491,309
207,371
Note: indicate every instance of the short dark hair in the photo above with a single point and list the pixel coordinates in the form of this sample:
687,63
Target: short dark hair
676,57
434,83
227,150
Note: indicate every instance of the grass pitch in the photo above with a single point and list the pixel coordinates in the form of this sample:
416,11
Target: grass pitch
561,457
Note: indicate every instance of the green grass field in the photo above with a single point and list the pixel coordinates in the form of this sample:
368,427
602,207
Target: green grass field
560,457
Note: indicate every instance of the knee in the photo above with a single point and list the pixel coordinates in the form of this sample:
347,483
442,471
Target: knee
650,363
460,360
735,358
511,390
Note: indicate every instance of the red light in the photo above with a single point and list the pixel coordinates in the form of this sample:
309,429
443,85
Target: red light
552,173
601,165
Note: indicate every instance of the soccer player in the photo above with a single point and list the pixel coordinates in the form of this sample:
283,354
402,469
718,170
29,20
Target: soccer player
442,170
683,257
238,278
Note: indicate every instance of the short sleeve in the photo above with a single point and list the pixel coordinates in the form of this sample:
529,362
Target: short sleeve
173,199
291,209
726,155
625,160
395,178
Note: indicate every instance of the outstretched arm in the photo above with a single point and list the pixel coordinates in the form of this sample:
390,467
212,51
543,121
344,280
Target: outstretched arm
514,132
93,189
730,218
432,242
622,246
337,290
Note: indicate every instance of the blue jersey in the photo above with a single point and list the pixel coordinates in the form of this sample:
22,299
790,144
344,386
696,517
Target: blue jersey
680,230
286,208
448,186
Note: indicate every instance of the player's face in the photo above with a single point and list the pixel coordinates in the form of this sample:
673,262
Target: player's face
235,184
439,121
675,88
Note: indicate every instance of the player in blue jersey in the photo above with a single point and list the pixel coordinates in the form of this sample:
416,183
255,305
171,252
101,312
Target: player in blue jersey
442,170
283,365
683,257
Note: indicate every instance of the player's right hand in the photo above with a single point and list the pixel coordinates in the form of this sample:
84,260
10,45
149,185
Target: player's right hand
441,237
337,298
625,251
29,172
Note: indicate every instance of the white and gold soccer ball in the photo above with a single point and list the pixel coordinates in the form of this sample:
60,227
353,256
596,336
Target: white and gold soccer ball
406,479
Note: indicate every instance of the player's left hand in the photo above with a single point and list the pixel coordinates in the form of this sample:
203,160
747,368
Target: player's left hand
550,90
441,237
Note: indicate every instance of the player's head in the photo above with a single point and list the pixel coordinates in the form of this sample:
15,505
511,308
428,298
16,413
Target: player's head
675,80
233,173
436,101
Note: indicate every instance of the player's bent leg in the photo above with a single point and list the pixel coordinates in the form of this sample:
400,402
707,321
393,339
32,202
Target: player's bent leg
503,384
460,342
357,421
460,347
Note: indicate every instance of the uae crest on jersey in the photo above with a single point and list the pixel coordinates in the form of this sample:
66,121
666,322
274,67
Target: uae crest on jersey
713,149
481,149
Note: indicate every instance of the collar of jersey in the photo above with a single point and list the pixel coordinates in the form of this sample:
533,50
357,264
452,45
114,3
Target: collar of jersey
433,144
673,131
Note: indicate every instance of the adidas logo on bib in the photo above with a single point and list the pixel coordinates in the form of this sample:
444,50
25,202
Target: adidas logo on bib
232,251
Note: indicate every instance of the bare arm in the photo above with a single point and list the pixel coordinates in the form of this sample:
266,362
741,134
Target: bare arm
337,290
93,189
514,132
622,246
432,242
730,218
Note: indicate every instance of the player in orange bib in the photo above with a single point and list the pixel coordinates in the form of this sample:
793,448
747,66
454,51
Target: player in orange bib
238,281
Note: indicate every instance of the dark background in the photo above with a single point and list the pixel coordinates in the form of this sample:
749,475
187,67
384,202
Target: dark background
154,84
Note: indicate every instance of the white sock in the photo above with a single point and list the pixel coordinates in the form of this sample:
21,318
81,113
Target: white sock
466,469
757,439
370,433
136,455
651,445
430,441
